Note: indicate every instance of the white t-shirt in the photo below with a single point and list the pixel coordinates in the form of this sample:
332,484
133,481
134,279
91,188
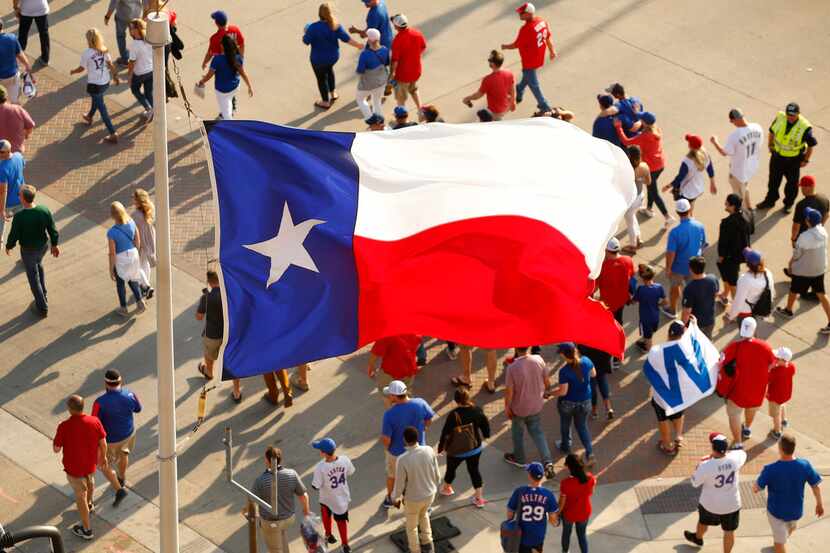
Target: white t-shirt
744,149
719,477
34,8
95,63
332,481
142,54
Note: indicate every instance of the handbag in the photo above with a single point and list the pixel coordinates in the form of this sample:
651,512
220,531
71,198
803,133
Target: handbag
462,439
726,376
511,532
763,307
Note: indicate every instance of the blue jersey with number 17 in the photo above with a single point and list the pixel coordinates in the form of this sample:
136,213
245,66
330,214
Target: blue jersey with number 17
532,506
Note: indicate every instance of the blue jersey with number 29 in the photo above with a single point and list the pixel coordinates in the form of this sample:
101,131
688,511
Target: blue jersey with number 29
532,506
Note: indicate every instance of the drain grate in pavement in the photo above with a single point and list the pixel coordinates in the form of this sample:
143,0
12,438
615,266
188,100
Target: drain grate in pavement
683,498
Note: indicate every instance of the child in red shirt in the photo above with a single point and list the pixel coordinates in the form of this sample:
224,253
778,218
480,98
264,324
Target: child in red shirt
575,502
780,389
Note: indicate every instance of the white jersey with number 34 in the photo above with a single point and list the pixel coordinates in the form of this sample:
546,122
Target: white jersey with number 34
720,480
332,480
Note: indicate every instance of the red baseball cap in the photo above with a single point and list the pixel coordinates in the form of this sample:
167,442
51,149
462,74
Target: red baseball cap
527,7
695,142
807,180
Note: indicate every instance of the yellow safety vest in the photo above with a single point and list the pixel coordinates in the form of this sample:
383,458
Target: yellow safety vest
789,144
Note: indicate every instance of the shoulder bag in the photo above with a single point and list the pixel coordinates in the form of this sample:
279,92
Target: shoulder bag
511,531
463,438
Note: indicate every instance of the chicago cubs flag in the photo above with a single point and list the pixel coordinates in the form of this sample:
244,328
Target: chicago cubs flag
684,371
484,234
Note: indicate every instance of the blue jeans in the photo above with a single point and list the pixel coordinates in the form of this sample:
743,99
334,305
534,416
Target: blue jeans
145,98
121,39
581,535
530,79
534,428
122,290
32,260
99,105
601,382
576,412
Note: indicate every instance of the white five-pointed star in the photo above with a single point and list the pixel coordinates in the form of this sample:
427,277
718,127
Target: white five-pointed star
286,248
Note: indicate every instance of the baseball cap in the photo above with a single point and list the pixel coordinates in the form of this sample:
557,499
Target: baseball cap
694,141
375,119
682,205
753,257
647,117
616,89
613,245
395,388
527,7
784,353
326,445
112,376
400,20
605,100
793,109
220,17
719,442
748,327
676,329
536,470
807,180
373,34
566,347
812,215
735,113
401,111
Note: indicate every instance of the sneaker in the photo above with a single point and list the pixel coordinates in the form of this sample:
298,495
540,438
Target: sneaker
140,307
123,312
610,414
510,459
824,329
111,138
692,538
550,471
446,490
91,507
558,444
774,435
452,352
746,432
119,497
589,460
387,503
785,423
787,209
122,482
669,221
670,314
346,548
615,364
331,539
784,312
764,205
479,502
737,446
646,211
150,292
82,532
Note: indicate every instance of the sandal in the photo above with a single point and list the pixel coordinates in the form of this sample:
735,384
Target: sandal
322,105
666,451
678,444
334,98
456,381
236,399
490,389
203,371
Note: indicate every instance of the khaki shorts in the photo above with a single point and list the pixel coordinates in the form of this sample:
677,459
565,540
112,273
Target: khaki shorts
383,379
117,449
781,529
81,484
738,187
733,411
211,347
679,280
403,89
391,464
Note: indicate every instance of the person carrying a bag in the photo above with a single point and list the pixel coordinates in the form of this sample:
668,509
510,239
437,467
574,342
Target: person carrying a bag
754,293
373,74
462,438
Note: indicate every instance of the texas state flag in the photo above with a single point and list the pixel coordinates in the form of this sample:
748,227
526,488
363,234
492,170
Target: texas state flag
487,234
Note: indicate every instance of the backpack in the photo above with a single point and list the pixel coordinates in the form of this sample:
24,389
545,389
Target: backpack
511,532
763,307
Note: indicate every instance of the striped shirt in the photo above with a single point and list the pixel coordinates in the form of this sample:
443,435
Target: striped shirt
288,486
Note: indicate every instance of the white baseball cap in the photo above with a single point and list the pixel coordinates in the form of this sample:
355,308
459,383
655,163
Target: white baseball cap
682,206
784,353
373,34
748,327
613,245
395,388
400,20
527,7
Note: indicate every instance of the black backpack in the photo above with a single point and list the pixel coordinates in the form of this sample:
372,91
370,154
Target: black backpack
763,307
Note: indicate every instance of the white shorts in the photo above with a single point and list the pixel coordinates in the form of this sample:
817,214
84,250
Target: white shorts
781,529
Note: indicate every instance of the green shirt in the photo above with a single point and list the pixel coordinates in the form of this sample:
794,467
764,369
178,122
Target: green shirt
31,226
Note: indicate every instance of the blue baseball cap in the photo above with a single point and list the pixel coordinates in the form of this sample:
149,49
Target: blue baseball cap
220,17
812,215
536,470
401,111
326,445
753,257
647,117
566,347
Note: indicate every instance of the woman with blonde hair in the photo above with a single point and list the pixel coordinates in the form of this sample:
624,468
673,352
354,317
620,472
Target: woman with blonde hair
324,37
140,68
690,181
144,217
100,72
123,242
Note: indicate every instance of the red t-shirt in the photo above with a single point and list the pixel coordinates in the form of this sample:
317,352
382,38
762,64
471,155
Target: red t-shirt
754,358
578,502
651,148
406,50
79,436
215,48
532,42
613,281
498,86
780,388
397,355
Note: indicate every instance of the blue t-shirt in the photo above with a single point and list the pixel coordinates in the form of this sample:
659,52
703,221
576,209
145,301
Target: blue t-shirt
370,59
578,390
686,240
123,236
536,504
699,295
649,296
115,410
628,109
9,48
11,172
227,80
785,481
325,48
412,413
604,128
378,18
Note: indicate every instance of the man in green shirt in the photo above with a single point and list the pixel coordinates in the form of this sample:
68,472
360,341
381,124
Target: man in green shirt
34,228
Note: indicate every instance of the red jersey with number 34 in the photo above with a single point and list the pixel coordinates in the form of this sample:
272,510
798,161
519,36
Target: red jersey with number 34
532,42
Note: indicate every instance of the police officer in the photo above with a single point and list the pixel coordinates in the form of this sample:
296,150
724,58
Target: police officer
791,144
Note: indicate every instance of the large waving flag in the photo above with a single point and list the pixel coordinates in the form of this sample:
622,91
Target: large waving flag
684,371
484,234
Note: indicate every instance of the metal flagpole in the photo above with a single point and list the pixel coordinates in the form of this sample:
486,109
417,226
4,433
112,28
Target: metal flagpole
158,35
